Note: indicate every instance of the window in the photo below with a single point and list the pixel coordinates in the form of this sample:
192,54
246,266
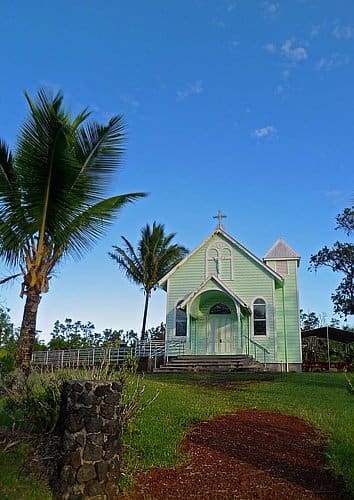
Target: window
226,264
213,260
219,261
220,309
259,317
181,321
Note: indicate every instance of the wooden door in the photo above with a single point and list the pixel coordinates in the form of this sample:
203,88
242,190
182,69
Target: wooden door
219,339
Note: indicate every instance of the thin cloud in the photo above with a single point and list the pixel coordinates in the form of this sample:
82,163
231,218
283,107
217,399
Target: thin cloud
332,62
192,88
332,193
234,44
263,132
294,54
270,47
271,8
315,30
341,31
130,100
279,89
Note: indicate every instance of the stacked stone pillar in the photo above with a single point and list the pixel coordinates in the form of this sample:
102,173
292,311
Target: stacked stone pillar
91,427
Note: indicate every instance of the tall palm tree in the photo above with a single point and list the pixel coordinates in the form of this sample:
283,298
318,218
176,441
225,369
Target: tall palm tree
51,196
154,257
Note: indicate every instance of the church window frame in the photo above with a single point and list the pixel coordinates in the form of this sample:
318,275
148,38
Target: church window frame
259,318
222,253
180,321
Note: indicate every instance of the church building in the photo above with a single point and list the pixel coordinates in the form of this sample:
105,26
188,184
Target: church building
223,300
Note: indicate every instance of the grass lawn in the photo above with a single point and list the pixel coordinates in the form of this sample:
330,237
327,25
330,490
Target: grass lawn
319,398
13,483
154,437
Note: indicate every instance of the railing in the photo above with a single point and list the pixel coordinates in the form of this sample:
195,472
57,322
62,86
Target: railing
256,346
111,355
80,357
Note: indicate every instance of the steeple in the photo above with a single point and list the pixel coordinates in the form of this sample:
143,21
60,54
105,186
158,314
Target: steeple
281,250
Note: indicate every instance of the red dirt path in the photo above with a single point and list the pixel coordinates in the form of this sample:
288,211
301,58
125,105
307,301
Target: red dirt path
249,455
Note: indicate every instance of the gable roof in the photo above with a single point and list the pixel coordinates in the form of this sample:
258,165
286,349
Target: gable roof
223,287
221,231
281,250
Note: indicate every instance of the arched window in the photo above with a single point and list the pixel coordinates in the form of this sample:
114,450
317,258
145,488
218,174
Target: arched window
213,262
219,309
226,271
181,321
259,317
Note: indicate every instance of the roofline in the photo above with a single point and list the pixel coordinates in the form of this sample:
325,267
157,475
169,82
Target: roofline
295,257
219,282
232,240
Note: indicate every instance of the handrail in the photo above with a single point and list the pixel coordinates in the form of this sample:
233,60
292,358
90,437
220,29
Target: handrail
256,345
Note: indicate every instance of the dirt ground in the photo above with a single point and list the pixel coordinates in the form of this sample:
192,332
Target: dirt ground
249,455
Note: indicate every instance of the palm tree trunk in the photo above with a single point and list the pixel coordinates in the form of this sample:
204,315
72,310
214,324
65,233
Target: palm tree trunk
28,331
143,328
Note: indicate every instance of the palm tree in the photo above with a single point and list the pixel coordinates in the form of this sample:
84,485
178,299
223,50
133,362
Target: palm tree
154,257
51,197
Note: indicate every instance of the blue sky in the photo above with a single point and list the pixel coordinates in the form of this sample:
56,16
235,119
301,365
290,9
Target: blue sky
245,105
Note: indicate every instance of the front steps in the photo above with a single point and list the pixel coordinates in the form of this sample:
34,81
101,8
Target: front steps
217,364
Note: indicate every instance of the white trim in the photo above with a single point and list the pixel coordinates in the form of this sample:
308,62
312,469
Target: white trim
226,290
266,318
232,241
275,330
298,311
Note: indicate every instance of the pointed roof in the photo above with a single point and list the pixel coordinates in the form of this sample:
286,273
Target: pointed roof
231,240
221,287
281,250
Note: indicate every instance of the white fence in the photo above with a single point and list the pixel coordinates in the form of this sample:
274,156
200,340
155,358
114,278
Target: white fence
110,355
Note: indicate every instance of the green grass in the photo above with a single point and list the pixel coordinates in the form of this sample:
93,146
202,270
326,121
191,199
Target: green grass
319,398
13,483
154,437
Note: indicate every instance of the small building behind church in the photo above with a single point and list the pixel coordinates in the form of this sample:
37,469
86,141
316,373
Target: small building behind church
223,300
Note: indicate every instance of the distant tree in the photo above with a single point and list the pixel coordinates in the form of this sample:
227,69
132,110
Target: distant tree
340,258
8,338
154,257
156,333
52,201
309,321
70,335
345,220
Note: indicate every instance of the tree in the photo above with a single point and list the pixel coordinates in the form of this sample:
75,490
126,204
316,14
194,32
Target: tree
7,332
52,203
340,258
309,321
154,257
69,335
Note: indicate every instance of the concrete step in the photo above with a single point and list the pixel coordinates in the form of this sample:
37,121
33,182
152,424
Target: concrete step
227,363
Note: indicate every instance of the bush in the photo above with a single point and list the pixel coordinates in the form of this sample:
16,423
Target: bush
32,404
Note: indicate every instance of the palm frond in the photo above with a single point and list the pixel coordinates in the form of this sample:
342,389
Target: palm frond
99,152
91,223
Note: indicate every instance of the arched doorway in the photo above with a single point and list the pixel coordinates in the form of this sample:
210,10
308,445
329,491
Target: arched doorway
220,337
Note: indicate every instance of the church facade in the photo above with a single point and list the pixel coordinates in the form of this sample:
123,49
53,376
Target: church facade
223,300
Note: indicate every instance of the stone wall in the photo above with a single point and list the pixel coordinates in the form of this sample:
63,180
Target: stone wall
90,427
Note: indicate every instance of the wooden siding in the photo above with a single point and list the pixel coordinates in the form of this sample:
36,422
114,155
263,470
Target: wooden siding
250,281
291,326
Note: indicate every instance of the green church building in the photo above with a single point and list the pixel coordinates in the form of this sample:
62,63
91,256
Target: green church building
222,300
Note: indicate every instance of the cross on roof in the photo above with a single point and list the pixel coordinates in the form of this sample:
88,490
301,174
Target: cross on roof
220,217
